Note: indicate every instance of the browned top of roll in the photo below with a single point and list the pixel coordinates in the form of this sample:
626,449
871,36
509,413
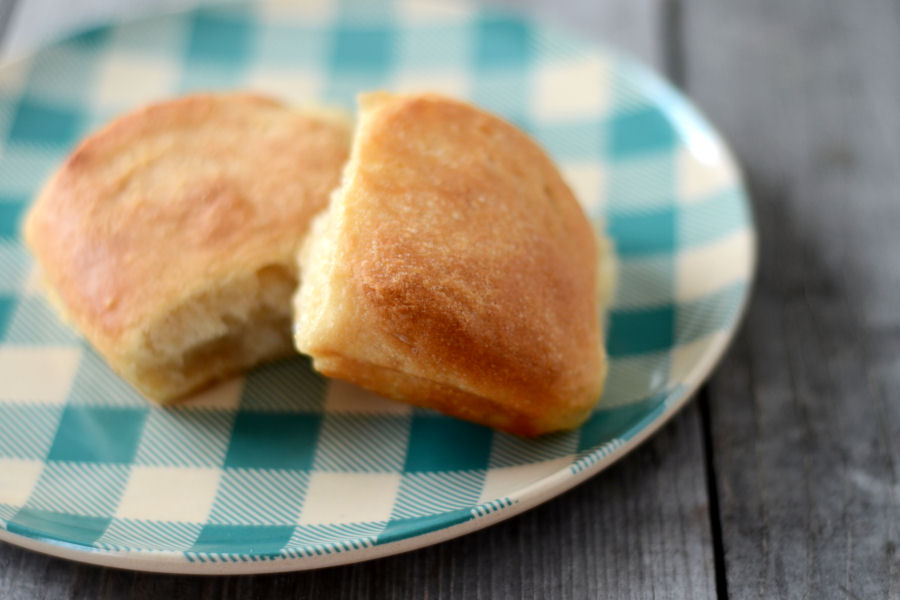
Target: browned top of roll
175,194
471,258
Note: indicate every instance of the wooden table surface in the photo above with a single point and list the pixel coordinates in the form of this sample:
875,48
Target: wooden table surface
780,480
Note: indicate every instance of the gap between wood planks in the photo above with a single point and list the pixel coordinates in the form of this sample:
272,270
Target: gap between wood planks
673,64
7,8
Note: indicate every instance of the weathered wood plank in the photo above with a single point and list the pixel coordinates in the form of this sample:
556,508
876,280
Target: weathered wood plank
636,26
804,415
640,530
37,22
6,14
631,25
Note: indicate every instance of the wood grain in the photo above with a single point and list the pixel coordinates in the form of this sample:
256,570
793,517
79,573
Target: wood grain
804,412
639,530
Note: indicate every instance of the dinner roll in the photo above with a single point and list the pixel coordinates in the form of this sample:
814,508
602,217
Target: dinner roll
455,270
169,236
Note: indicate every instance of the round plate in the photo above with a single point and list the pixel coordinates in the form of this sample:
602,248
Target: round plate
282,469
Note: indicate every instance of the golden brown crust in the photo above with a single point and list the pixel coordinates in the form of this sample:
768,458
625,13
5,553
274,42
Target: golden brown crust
153,208
471,265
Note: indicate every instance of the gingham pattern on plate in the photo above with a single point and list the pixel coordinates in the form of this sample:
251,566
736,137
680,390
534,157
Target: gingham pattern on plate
282,464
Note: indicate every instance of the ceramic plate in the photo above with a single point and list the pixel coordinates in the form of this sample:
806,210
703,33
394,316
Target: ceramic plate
285,470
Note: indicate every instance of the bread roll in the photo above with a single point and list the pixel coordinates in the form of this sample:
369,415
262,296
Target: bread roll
169,237
455,270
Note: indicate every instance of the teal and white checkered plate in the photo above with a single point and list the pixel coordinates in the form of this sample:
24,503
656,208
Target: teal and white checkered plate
283,469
